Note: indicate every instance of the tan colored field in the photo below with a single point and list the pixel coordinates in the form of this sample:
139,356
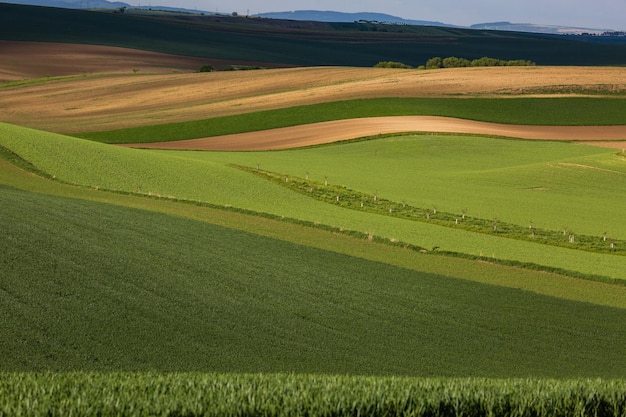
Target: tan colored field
125,99
327,132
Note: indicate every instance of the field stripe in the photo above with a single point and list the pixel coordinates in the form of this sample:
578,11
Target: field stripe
338,130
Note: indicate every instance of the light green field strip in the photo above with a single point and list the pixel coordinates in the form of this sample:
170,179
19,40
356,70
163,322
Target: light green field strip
96,165
539,282
552,184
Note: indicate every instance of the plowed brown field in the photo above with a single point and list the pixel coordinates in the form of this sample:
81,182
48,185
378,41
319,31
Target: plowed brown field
327,132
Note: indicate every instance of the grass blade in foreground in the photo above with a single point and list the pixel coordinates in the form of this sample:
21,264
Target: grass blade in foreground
142,394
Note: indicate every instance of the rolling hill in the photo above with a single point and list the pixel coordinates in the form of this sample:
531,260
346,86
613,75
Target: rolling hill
115,282
269,41
405,273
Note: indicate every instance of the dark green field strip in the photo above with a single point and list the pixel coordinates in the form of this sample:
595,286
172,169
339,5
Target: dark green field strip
89,286
250,42
526,111
225,395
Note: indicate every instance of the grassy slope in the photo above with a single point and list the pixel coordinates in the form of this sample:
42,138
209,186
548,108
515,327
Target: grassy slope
531,111
246,42
538,282
554,184
94,286
88,163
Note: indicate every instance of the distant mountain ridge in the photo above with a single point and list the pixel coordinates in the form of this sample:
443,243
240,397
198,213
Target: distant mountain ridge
533,28
328,17
332,16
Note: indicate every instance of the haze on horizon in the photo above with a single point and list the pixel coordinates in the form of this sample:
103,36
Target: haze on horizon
597,14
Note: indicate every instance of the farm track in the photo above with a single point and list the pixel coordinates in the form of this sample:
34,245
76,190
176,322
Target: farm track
338,130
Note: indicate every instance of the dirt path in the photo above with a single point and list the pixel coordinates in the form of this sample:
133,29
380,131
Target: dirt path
327,132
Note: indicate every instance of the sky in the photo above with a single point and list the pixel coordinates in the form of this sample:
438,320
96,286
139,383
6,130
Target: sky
593,14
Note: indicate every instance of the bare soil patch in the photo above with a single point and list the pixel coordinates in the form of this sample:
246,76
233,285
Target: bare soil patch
128,100
327,132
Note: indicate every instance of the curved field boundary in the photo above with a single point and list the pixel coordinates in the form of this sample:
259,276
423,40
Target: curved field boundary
125,101
338,130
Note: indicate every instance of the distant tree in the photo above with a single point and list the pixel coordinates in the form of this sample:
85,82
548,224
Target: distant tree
392,64
434,63
206,68
486,62
454,62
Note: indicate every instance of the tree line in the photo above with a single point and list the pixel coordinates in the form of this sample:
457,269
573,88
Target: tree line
456,62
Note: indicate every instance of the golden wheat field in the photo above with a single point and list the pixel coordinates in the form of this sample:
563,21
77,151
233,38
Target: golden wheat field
116,88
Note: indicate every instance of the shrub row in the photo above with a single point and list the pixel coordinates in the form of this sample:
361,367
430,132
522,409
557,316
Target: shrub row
455,62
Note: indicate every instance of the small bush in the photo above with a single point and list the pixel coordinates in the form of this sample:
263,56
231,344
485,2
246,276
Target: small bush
455,62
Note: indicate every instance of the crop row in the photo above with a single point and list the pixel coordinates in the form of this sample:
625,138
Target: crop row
183,394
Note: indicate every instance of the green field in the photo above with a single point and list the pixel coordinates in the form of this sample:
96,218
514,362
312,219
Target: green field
516,181
206,177
527,111
183,283
102,292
